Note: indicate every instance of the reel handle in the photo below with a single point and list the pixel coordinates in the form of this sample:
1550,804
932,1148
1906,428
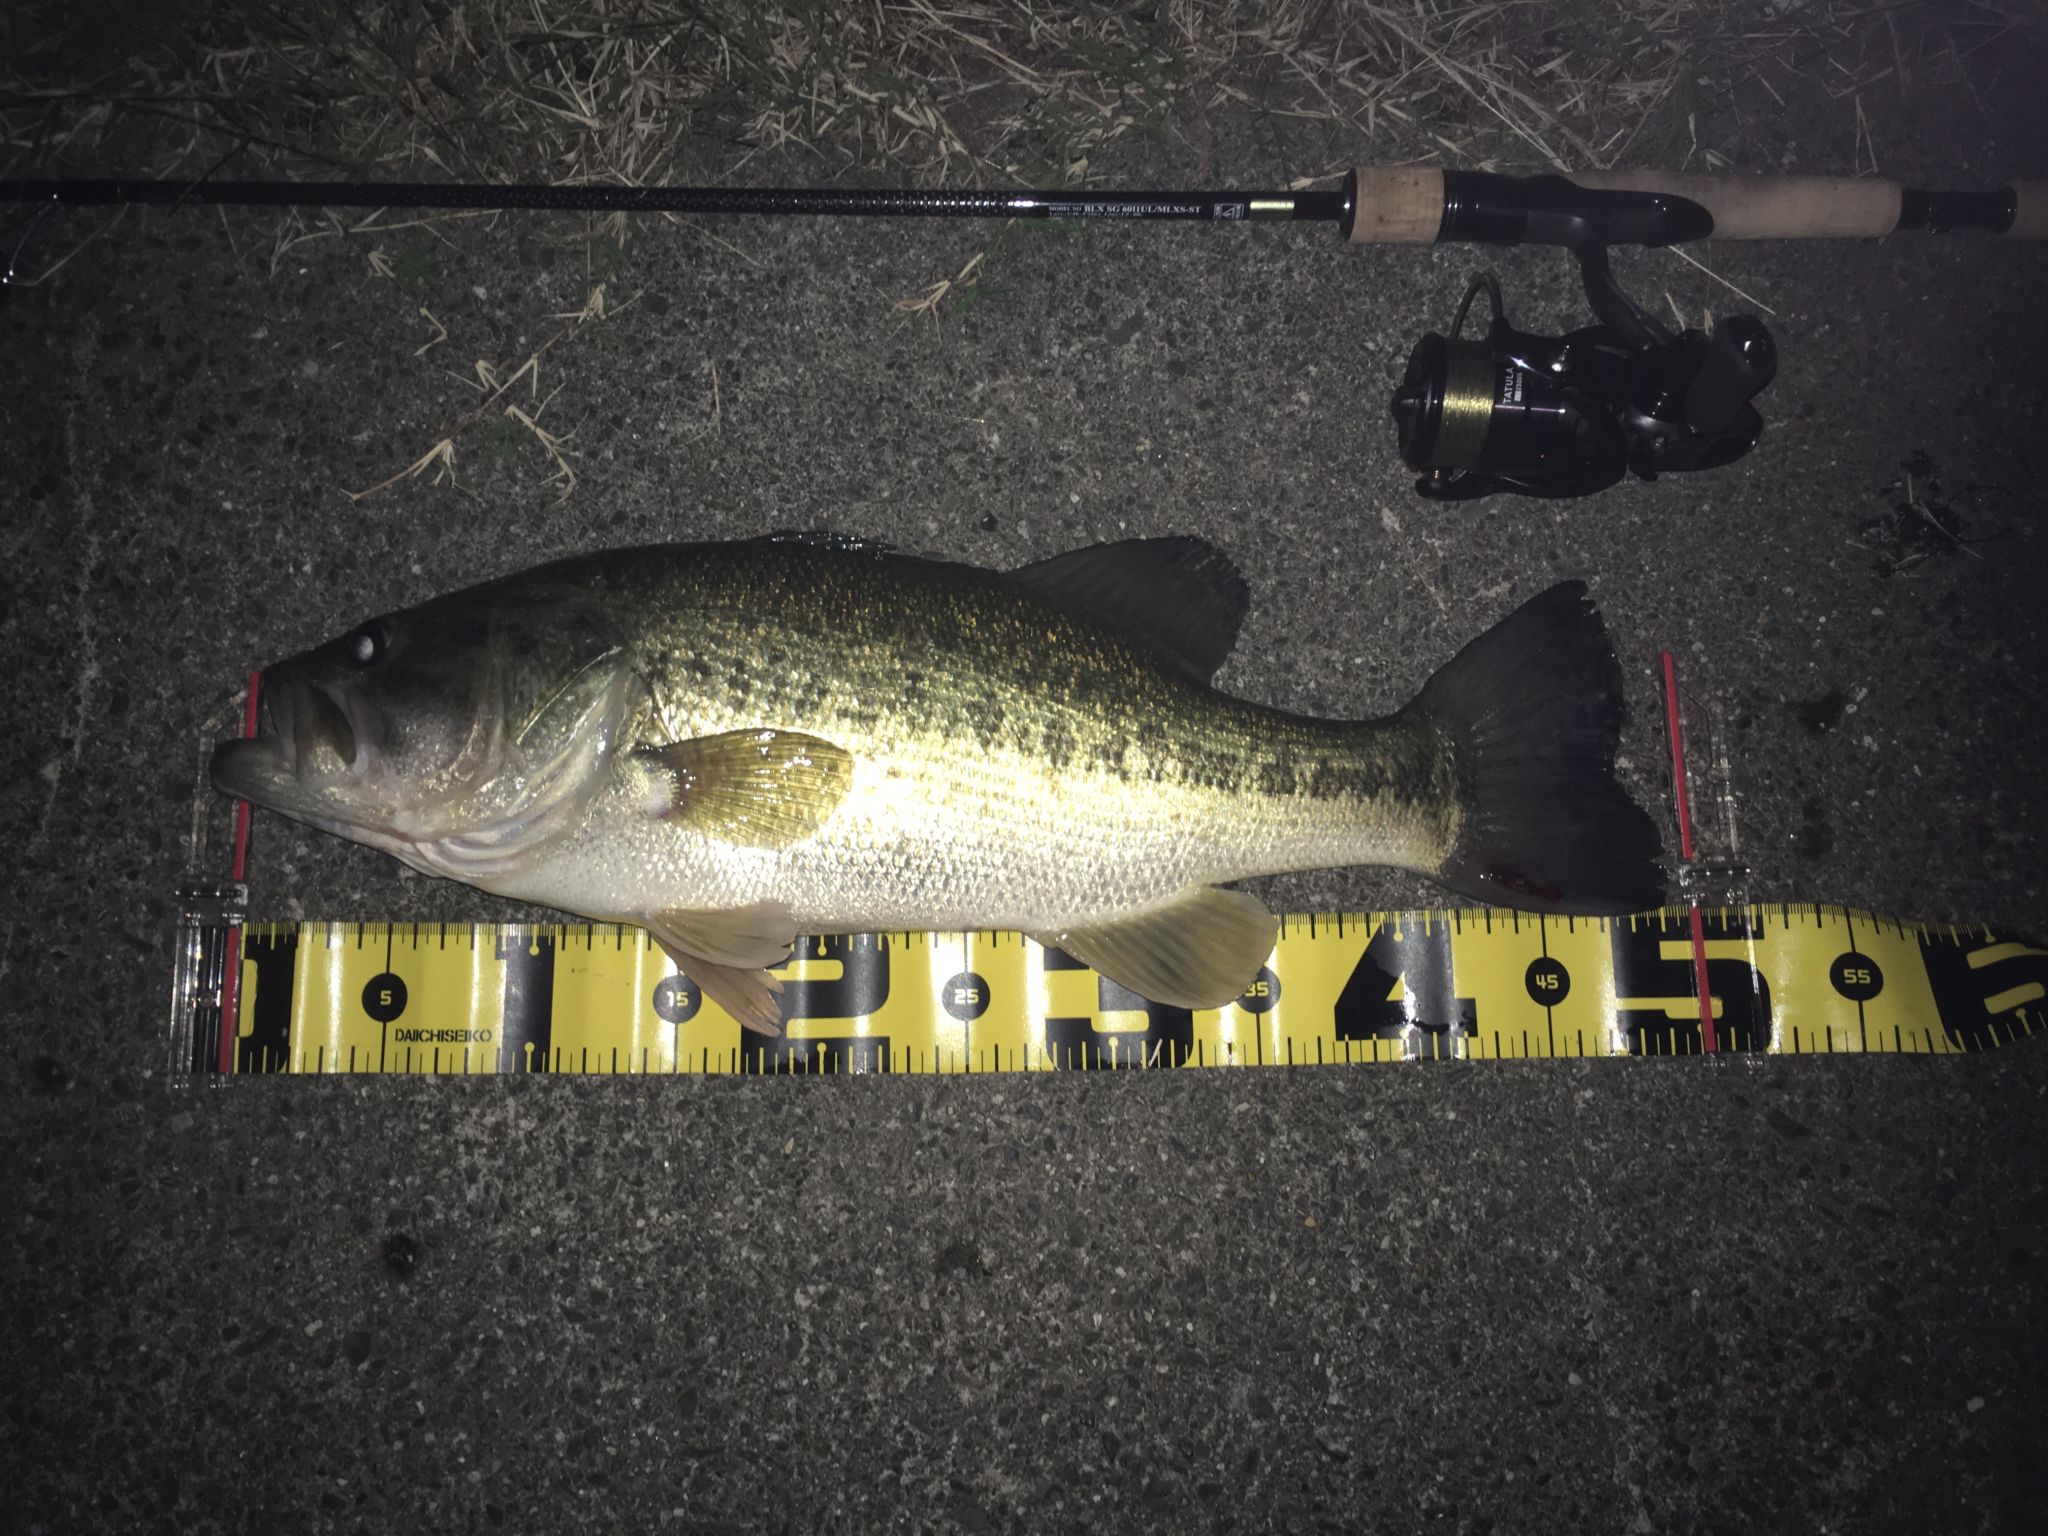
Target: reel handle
1741,359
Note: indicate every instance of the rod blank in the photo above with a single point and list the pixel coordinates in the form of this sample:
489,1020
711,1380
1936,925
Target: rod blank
815,202
1401,205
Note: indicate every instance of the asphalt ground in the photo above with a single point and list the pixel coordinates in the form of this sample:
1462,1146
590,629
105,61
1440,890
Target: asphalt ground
1642,1296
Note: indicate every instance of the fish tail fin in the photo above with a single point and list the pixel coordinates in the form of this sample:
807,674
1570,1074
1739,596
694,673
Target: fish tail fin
1533,710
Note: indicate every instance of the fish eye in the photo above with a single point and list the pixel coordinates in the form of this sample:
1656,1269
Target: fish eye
366,647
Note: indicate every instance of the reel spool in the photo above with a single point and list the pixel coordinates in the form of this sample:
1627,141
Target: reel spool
1570,415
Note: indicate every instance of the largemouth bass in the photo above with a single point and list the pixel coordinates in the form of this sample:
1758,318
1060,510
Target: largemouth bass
732,744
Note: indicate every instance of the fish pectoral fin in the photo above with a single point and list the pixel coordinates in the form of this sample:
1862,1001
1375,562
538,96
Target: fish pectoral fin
1200,951
760,789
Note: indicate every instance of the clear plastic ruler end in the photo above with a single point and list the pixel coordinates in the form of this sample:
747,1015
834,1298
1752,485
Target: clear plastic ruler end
1712,875
211,911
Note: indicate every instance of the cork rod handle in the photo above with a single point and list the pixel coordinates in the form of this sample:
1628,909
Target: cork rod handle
1771,207
1404,205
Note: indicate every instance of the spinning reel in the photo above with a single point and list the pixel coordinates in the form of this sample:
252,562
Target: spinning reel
1570,415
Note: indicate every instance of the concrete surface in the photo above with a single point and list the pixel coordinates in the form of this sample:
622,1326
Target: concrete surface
1785,1295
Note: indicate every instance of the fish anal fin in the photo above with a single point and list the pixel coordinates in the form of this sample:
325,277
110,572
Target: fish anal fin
1201,950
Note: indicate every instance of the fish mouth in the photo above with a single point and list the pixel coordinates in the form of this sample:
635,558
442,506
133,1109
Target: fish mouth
310,735
448,795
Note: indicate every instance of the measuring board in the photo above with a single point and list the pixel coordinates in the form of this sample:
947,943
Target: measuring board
1711,977
596,998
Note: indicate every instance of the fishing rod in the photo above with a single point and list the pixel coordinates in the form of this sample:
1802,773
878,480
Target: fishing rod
1509,411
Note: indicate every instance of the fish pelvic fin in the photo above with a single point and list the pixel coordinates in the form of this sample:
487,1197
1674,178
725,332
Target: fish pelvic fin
1201,950
727,954
760,934
1532,712
751,997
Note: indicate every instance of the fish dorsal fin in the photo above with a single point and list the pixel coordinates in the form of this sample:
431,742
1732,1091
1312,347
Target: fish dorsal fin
1200,951
760,788
1181,595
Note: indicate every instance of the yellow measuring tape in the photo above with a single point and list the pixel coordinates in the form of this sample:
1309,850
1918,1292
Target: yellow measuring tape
593,998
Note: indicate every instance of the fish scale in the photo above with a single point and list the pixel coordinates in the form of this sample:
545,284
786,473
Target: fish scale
993,833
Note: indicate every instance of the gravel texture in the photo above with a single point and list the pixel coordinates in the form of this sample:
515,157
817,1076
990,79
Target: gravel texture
1673,1296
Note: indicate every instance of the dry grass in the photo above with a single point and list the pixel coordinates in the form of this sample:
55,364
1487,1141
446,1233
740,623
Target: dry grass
957,92
926,91
493,385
